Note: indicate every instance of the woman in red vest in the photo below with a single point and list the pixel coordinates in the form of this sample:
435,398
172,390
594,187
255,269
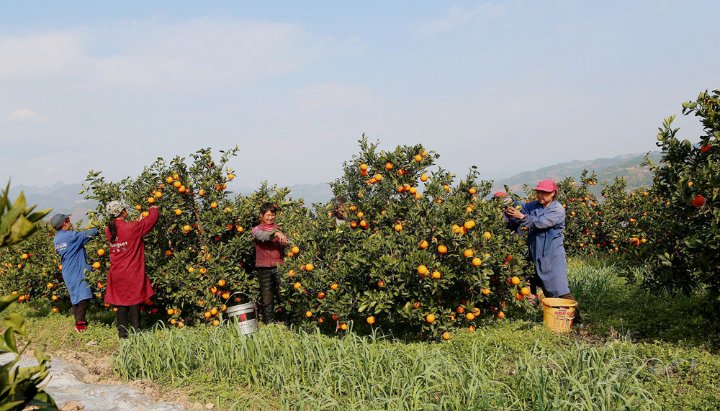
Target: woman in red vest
127,284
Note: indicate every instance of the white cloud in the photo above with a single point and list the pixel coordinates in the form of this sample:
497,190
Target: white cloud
195,54
457,17
25,115
334,94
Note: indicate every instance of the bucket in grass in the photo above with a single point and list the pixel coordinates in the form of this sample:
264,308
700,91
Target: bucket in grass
558,313
245,315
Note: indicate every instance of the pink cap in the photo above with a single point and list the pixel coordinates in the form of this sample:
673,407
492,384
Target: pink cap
547,186
500,194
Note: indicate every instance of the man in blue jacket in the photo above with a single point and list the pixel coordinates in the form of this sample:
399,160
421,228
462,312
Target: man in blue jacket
70,245
545,220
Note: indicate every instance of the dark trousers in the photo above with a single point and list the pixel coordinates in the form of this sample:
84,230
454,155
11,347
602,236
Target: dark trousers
131,312
79,311
270,279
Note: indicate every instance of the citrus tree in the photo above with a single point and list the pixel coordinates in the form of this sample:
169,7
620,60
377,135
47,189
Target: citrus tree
420,251
687,181
200,251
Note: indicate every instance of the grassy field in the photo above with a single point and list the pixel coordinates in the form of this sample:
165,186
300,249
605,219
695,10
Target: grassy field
638,350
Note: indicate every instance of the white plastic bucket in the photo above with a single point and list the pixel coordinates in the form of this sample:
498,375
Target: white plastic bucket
246,316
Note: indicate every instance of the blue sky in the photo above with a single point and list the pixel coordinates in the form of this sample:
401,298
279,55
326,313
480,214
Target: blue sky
507,86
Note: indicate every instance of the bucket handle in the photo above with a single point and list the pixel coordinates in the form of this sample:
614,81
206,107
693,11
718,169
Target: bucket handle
241,293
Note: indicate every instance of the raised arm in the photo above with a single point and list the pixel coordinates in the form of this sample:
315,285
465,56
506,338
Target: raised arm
550,218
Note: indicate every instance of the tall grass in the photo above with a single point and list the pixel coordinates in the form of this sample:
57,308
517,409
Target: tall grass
308,371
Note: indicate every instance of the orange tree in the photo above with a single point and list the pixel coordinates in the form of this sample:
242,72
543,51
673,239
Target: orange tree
420,252
201,250
32,268
687,181
583,228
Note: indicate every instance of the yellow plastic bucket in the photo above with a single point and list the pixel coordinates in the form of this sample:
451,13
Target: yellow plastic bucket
558,313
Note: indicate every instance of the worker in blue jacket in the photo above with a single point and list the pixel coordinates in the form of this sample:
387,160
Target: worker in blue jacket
545,220
70,245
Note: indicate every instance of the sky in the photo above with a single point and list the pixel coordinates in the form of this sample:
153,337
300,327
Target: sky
507,86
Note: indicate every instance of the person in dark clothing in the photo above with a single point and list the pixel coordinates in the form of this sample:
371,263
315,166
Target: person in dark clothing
270,244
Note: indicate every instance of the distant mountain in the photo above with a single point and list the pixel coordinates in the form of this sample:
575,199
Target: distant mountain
606,169
62,198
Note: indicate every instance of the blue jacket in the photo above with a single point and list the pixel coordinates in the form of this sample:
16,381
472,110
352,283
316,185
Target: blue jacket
70,245
545,243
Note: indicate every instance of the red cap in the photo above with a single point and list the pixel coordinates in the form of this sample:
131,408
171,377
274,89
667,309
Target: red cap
500,194
547,186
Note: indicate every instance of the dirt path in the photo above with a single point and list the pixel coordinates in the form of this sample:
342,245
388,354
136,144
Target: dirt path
74,387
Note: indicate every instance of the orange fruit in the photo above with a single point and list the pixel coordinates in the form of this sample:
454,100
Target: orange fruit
96,265
334,286
178,211
423,244
471,328
446,187
203,271
169,180
309,267
388,166
240,229
460,310
291,273
501,315
442,249
170,311
225,295
472,191
138,207
201,192
151,200
321,295
519,296
145,214
422,270
101,252
515,280
446,335
191,269
180,324
469,224
55,309
436,274
430,318
418,158
525,290
213,205
424,153
413,190
363,167
54,297
378,177
297,286
486,291
398,227
221,283
343,327
470,316
173,321
308,314
158,194
214,311
216,323
364,173
424,178
231,176
381,283
371,319
468,253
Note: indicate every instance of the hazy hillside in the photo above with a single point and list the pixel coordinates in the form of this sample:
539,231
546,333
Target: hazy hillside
64,198
606,169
